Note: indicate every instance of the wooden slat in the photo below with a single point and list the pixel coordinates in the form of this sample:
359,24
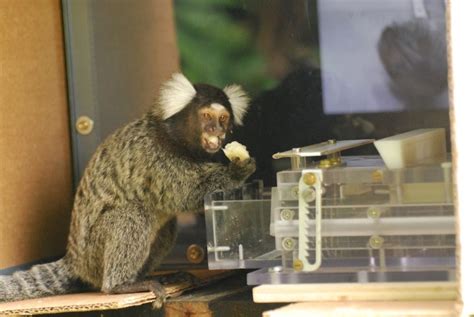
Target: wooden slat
406,291
230,298
461,97
364,309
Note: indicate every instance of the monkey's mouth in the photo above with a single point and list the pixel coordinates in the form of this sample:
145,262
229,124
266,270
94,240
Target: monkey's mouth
211,144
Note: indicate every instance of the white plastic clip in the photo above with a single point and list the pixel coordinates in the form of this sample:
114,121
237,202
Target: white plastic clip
306,224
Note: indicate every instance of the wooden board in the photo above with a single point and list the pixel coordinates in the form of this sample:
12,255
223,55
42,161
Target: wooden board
403,291
363,309
230,298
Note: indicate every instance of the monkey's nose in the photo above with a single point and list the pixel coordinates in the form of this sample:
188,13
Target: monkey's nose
210,129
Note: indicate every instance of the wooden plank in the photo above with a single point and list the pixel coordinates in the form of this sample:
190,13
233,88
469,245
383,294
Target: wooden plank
461,97
403,291
230,298
363,309
198,304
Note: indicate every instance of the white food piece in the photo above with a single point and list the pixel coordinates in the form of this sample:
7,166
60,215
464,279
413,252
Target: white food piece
235,150
213,140
417,147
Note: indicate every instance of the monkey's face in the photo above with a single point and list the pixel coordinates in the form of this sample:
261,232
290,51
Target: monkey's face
215,122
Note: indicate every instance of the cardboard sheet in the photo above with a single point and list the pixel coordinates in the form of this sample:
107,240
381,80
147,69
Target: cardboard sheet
75,303
35,155
94,301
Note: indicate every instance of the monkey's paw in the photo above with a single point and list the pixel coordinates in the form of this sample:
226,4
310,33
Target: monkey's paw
149,285
180,277
236,151
241,170
160,294
158,303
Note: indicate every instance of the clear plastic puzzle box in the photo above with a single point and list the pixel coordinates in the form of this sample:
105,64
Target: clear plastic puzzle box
342,219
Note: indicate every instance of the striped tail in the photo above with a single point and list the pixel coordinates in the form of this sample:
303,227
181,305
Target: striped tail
40,281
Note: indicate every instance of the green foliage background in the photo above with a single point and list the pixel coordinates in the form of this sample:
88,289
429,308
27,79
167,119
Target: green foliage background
217,44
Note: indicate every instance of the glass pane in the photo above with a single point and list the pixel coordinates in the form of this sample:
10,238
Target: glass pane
319,70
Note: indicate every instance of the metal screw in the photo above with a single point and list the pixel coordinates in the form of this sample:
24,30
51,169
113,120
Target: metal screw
334,161
288,244
298,265
374,212
309,195
377,176
195,254
376,242
84,125
324,163
287,214
309,179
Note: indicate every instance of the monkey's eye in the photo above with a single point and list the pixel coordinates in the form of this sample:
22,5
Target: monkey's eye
206,116
223,118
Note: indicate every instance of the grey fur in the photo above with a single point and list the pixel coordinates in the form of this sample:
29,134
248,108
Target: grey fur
41,280
124,215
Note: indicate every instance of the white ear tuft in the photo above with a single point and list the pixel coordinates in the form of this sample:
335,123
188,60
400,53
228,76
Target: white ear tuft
175,94
239,101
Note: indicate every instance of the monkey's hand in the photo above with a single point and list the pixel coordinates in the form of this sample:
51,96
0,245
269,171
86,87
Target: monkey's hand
241,169
211,177
241,164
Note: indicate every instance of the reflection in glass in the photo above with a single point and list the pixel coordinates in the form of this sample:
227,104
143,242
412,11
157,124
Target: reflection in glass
316,70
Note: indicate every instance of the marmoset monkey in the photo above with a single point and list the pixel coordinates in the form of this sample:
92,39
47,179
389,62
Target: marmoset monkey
124,216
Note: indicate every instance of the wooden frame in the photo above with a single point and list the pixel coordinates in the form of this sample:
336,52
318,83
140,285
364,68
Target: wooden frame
461,68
